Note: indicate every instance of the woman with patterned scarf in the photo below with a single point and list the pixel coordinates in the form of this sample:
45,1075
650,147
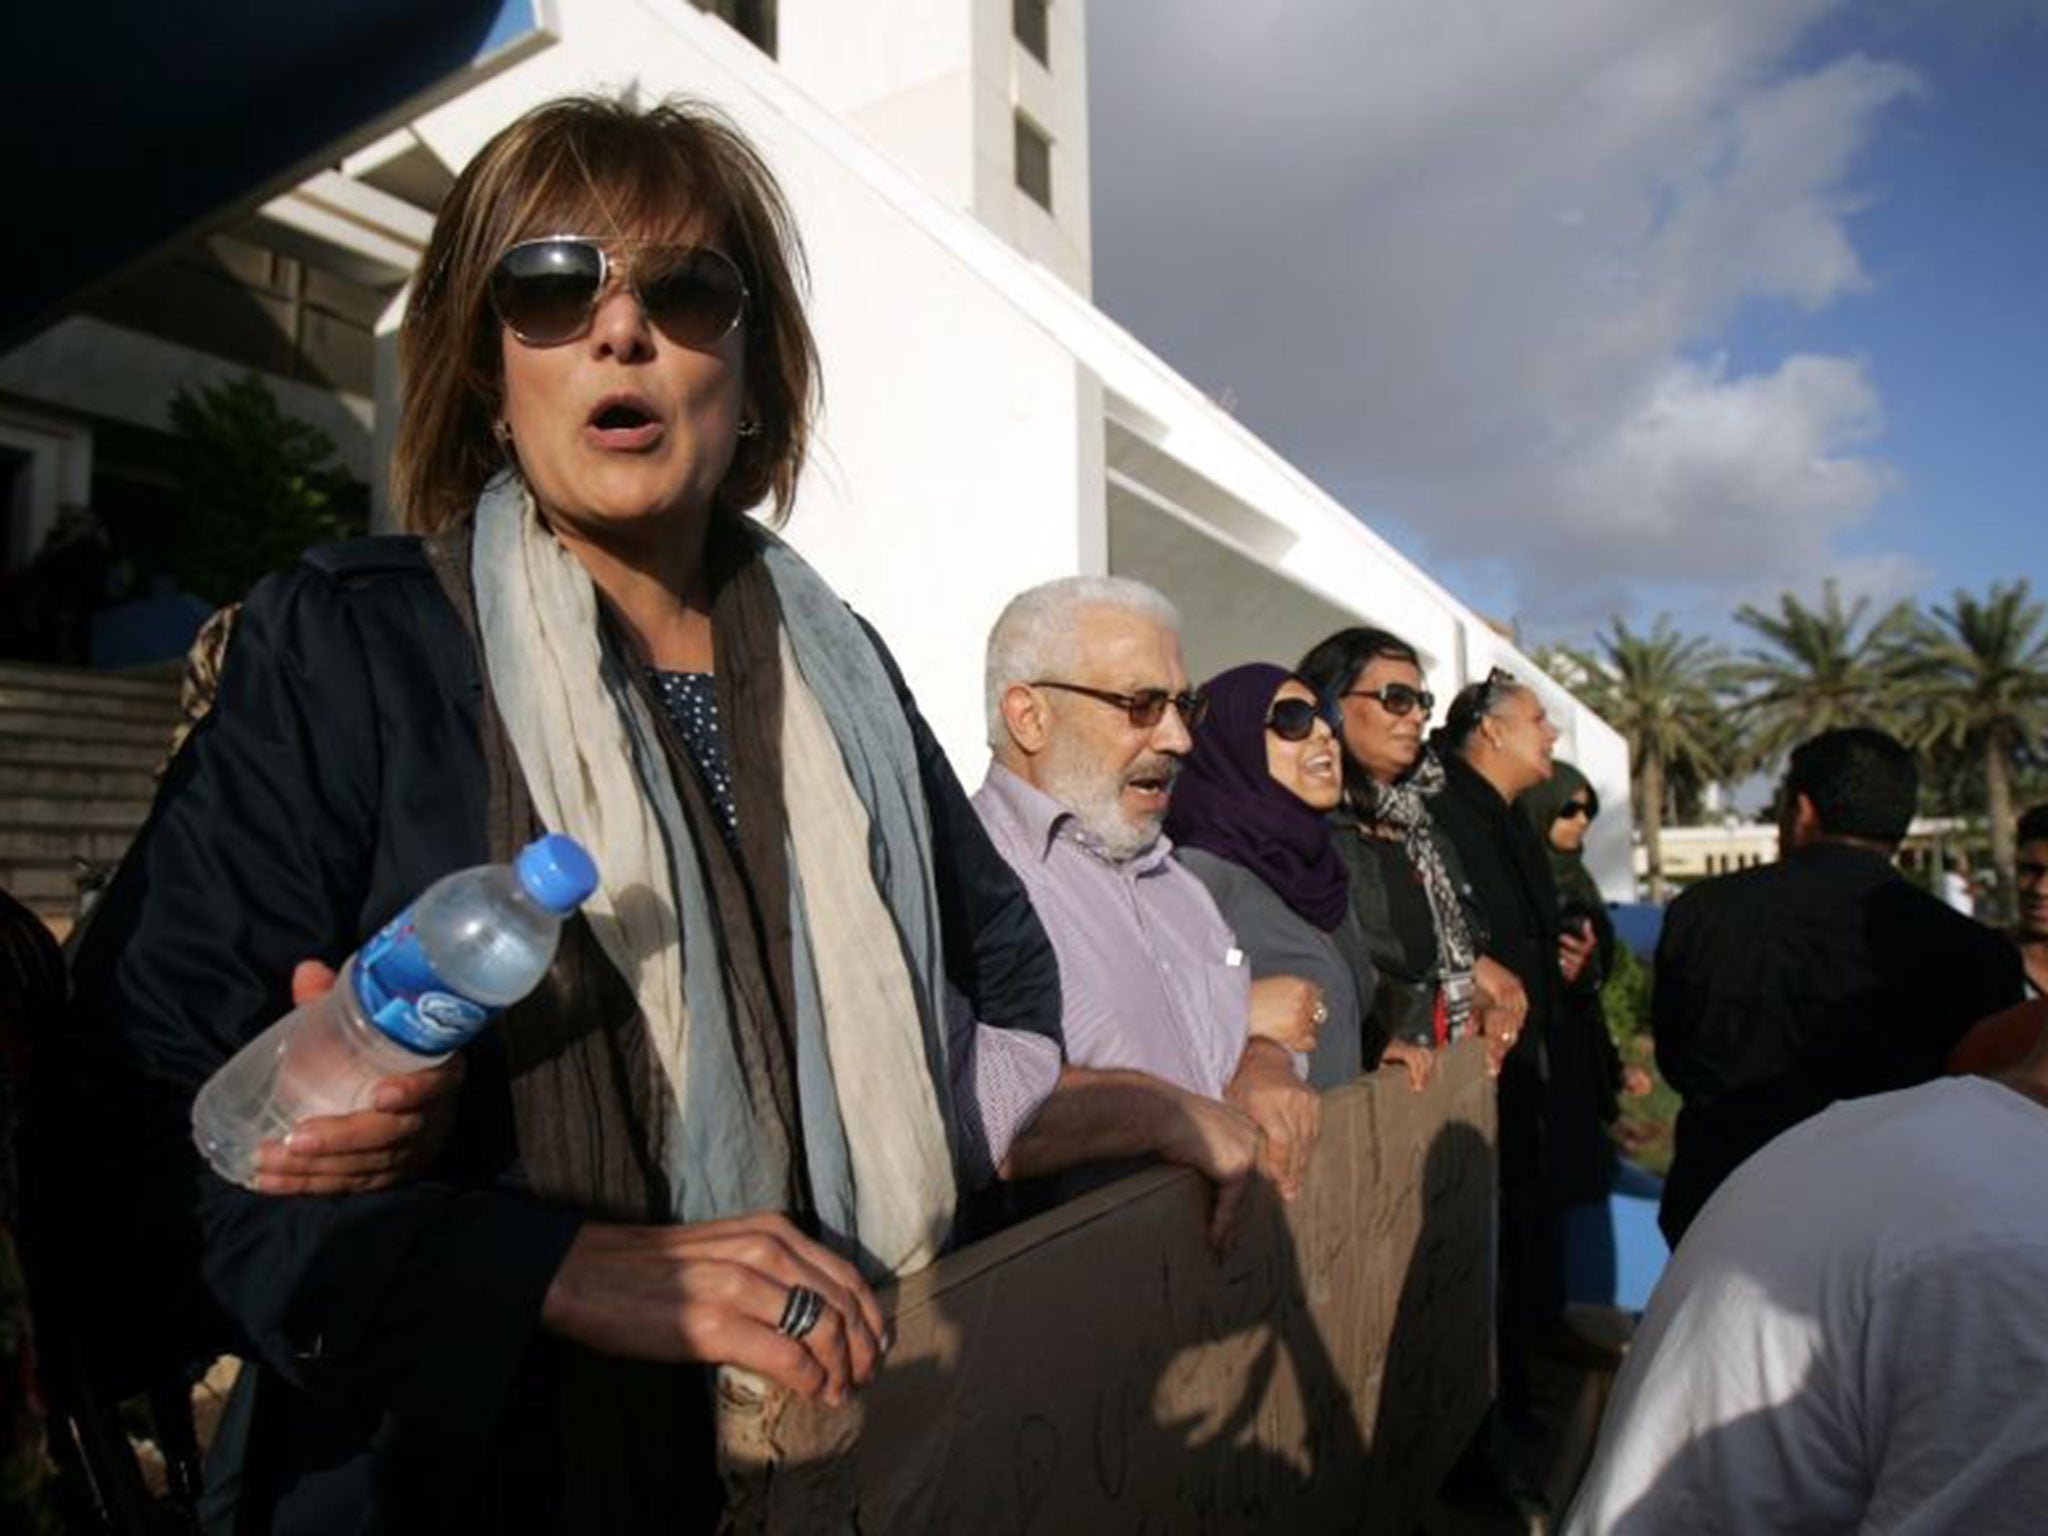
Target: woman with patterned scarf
730,1107
1420,921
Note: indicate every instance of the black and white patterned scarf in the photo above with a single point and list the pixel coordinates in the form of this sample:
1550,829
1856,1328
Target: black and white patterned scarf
1403,808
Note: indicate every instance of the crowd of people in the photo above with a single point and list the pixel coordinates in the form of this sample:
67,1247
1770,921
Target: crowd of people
827,1013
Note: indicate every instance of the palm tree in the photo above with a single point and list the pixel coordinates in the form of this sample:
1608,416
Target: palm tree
1978,683
1688,781
1820,668
1657,689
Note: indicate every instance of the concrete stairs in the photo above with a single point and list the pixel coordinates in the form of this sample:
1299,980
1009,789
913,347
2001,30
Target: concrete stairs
78,751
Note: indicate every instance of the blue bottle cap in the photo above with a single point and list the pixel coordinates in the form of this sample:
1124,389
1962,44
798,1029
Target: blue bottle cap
556,872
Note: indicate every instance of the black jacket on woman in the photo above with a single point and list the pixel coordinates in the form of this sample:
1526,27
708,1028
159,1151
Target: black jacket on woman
1585,1067
1405,1004
341,772
1510,876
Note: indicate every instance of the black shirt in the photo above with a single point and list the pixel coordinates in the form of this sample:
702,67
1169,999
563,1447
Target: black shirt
1783,988
1510,876
691,699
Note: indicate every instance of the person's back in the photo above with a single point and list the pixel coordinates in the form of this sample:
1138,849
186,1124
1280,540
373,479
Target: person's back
1852,1336
1827,975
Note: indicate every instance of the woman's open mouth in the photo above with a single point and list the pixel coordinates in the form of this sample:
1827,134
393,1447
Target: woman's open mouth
624,423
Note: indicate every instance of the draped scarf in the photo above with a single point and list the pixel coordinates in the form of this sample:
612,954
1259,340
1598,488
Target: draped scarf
854,957
1403,809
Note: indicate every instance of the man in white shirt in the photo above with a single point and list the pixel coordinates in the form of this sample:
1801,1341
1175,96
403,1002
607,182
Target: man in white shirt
1854,1333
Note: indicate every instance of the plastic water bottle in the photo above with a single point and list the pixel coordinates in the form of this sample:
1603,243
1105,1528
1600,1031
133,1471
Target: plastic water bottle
435,975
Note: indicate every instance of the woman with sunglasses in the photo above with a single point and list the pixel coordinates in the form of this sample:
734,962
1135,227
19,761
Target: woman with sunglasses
1586,1074
724,1112
1417,911
1248,819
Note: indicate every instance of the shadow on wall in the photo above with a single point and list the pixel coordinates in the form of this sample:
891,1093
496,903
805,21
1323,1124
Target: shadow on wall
1098,1368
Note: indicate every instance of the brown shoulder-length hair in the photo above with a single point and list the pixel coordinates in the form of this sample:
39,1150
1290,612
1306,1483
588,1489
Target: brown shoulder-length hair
594,166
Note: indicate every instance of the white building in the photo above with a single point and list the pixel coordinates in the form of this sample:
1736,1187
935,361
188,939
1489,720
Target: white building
1719,848
984,428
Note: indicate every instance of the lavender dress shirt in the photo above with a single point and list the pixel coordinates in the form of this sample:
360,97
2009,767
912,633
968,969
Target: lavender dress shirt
1150,974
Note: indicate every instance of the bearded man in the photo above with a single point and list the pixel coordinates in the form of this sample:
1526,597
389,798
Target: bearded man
1171,1051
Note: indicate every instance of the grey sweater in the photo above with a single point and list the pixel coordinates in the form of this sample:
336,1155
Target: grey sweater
1278,941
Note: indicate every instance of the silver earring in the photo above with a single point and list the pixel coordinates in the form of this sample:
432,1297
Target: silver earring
750,428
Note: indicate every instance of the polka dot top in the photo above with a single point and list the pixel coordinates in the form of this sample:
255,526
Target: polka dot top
691,700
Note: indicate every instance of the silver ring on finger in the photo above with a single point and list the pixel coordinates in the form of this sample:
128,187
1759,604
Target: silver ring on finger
800,1313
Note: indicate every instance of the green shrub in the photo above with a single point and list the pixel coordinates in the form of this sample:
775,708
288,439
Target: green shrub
1625,997
258,488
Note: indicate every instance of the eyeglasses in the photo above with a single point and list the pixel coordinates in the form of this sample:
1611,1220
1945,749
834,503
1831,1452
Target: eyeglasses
1295,719
1146,707
1397,699
1572,810
547,290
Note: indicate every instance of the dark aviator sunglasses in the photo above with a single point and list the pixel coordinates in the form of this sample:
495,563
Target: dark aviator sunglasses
1397,699
546,291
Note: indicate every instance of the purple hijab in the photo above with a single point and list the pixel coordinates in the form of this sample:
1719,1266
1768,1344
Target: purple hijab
1228,803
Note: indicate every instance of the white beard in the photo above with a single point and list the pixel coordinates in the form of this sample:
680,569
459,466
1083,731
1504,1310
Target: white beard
1096,801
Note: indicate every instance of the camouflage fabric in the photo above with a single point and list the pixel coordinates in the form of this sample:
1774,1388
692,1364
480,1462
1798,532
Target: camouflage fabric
201,679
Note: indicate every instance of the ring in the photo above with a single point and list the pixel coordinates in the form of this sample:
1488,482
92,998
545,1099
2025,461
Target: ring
1320,1016
801,1312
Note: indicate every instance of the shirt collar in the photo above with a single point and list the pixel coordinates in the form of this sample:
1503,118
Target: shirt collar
1046,821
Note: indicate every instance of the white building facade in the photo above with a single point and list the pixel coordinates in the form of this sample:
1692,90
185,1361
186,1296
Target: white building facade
984,426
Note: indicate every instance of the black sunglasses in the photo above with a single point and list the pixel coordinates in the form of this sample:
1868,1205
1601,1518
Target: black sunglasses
546,291
1397,699
1572,810
1146,707
1294,719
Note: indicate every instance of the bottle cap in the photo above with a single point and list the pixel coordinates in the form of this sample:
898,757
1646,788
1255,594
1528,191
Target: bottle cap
556,872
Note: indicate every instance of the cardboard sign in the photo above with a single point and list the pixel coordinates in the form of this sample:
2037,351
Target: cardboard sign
1099,1369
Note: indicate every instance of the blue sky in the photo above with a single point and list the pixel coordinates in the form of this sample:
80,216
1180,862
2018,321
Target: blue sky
1602,306
1955,324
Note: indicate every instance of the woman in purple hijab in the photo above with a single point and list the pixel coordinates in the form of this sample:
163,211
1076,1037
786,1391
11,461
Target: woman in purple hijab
1249,817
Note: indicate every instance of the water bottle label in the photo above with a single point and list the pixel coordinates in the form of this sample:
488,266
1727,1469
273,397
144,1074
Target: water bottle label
403,997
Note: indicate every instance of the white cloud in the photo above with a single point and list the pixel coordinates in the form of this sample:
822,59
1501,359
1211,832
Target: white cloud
1700,477
1459,258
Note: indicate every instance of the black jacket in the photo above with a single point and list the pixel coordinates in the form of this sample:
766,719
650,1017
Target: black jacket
1585,1065
1509,873
339,774
1782,988
1404,1004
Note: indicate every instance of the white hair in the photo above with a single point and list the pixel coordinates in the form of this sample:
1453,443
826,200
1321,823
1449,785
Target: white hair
1037,635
